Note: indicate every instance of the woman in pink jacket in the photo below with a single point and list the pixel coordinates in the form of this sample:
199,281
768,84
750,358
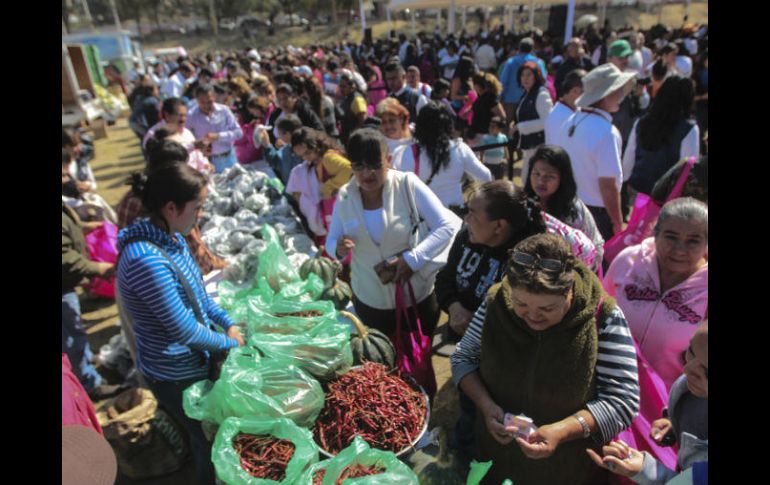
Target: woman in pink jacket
662,285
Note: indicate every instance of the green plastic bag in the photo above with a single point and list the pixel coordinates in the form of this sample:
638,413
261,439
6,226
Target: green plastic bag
308,290
478,472
263,319
359,452
274,265
260,387
323,351
275,183
227,462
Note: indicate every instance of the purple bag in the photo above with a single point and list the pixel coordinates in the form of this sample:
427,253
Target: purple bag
102,247
643,218
415,362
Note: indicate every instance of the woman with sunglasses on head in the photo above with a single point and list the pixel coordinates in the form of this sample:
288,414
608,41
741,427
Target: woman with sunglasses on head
549,344
662,285
374,218
685,422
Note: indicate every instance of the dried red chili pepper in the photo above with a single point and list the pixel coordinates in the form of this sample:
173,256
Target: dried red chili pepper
304,314
382,408
263,456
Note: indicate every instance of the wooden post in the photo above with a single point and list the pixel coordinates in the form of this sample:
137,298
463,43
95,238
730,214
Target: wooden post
531,15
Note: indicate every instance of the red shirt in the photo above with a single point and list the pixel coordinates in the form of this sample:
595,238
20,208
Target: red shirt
76,406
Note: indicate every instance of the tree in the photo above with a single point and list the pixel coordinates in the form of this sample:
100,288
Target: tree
131,9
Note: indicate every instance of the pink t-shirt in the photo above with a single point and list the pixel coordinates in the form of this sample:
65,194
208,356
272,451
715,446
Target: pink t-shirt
662,324
76,406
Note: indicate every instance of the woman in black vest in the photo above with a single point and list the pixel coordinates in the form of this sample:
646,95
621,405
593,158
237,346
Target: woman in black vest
533,109
541,355
662,137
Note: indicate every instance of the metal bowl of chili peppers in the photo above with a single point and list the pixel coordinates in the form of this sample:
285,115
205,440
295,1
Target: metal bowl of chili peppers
388,410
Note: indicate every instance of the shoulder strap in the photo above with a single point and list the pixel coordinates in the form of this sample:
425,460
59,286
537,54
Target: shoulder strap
597,312
182,279
416,156
677,190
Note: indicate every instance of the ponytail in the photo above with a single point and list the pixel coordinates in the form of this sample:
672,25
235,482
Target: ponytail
523,213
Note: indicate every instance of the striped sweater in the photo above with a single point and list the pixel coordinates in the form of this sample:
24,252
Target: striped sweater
617,380
171,344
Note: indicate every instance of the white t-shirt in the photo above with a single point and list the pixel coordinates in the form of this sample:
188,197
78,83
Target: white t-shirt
393,144
447,183
485,57
448,63
559,114
594,149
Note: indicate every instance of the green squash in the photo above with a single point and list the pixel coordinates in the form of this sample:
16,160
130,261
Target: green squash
369,344
339,294
434,471
327,269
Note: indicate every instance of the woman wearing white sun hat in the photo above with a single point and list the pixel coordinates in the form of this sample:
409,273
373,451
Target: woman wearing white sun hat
594,145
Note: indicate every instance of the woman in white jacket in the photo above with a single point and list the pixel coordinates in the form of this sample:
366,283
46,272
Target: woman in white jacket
375,217
532,111
438,160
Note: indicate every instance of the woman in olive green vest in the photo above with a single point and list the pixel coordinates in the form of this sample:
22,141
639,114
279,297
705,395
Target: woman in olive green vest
538,356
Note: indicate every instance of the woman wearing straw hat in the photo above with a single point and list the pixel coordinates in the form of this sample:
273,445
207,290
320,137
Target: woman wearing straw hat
594,145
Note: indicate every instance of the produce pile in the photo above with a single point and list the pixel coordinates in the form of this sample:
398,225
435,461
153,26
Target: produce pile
263,456
241,200
374,404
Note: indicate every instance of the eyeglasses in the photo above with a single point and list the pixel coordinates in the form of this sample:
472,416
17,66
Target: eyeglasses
360,167
530,261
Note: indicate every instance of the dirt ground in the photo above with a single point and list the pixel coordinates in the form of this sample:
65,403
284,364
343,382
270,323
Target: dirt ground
116,157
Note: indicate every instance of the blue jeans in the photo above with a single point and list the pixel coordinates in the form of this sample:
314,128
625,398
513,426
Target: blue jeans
223,162
74,342
169,395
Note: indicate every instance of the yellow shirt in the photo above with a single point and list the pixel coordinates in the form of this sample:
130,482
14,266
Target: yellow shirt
338,170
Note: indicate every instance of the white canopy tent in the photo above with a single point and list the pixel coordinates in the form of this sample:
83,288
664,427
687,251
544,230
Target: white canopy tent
400,5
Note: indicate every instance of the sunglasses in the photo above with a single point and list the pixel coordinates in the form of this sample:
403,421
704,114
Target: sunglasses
530,261
360,167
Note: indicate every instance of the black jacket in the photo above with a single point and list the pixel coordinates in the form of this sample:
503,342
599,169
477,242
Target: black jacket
470,271
304,112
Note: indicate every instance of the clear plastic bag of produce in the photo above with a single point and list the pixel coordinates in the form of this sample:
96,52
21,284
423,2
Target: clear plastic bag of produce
289,317
249,385
324,351
359,453
273,263
227,462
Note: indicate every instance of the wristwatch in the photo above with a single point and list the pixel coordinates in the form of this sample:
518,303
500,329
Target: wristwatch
583,424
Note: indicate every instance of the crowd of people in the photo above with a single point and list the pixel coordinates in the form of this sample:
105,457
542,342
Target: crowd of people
399,157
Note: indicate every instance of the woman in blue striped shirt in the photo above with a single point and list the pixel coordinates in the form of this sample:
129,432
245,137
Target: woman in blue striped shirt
550,344
173,332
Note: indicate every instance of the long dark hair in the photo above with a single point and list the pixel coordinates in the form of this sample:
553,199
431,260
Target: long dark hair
315,140
175,182
314,92
523,213
160,152
434,133
672,104
465,69
561,204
